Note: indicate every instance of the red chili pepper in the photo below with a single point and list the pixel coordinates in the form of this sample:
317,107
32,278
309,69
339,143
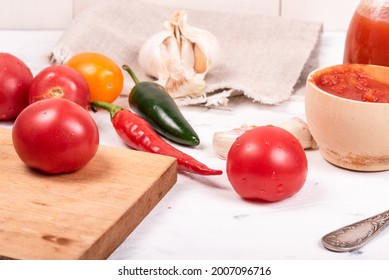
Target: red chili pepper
139,135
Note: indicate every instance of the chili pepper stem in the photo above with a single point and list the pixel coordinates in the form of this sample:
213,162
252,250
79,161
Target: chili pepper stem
112,109
132,74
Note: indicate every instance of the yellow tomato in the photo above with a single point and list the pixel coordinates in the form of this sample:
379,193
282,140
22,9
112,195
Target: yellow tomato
104,77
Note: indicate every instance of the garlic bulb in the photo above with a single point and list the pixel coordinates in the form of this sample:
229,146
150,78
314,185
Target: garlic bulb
179,56
223,140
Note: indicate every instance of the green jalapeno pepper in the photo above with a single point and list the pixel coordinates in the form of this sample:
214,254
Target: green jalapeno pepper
157,107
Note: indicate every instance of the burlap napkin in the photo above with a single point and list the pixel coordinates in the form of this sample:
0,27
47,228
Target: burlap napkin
262,57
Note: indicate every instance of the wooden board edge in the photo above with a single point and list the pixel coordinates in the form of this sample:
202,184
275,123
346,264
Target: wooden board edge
119,231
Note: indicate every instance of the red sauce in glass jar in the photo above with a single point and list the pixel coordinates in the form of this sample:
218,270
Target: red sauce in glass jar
355,84
367,40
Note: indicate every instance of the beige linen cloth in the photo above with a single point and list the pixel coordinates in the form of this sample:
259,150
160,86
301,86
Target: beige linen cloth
262,57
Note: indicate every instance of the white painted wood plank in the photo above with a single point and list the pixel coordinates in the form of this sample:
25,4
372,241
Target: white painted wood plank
334,14
260,7
35,14
57,14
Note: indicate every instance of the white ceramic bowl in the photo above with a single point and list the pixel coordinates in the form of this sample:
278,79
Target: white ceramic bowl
350,134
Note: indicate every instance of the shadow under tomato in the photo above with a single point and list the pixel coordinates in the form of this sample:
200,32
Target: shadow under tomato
92,171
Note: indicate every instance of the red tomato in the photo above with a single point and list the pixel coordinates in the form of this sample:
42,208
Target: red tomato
104,76
60,81
266,163
55,136
15,81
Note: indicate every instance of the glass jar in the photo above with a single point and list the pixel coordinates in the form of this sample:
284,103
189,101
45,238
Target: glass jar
367,40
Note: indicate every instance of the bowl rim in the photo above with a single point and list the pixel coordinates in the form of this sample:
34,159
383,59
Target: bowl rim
311,81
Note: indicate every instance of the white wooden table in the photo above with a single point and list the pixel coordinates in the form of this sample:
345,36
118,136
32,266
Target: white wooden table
203,218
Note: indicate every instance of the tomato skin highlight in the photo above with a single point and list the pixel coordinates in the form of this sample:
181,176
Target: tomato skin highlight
55,136
15,82
266,163
104,76
60,81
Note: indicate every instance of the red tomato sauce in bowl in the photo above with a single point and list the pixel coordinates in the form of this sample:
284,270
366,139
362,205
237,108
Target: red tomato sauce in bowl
353,83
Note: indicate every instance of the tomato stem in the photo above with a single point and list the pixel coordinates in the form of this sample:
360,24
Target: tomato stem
56,92
132,74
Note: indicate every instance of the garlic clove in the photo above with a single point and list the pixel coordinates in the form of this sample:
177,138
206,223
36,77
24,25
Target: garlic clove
172,59
153,54
188,54
201,63
223,140
208,45
299,129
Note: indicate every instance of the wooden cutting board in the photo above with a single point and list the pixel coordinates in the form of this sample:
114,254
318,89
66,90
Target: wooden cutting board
83,215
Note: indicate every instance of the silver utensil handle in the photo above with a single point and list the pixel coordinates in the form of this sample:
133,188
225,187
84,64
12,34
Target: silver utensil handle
356,235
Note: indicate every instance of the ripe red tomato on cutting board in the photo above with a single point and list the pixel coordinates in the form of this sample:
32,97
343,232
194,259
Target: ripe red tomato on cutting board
266,163
55,136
